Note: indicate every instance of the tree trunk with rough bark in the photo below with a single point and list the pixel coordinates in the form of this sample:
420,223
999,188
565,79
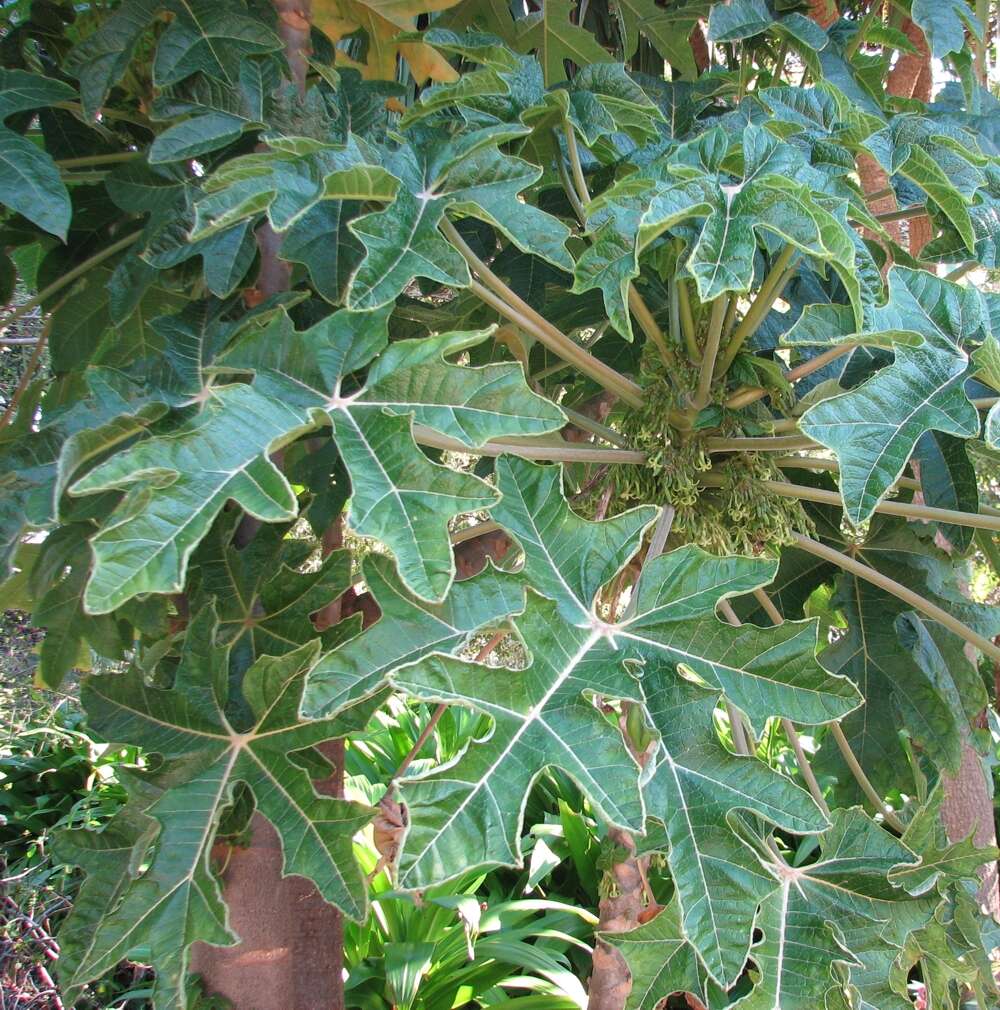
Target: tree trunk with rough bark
968,807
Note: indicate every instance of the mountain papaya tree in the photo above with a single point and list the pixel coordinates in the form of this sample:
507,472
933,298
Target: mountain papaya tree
621,375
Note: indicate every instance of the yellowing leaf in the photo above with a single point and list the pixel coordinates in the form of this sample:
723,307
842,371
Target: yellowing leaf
382,23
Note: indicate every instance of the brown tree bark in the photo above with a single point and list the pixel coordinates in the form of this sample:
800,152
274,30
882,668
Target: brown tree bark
699,48
910,67
290,955
610,980
909,78
968,807
824,12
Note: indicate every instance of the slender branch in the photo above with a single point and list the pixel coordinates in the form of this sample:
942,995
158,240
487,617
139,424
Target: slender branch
801,757
767,605
661,531
805,767
83,178
730,321
562,452
67,278
420,741
862,779
815,364
904,214
575,165
832,466
985,402
779,61
779,443
579,197
106,113
712,341
650,326
747,396
687,322
435,718
26,376
13,341
740,740
567,184
983,521
785,425
892,508
595,427
880,194
770,290
496,293
98,159
472,532
961,270
981,44
897,589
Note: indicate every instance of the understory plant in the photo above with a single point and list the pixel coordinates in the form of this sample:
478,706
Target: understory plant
554,441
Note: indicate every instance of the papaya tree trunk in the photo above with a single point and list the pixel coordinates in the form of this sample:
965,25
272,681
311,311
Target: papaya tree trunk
968,807
291,950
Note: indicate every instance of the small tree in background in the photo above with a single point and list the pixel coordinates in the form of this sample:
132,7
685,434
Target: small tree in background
634,341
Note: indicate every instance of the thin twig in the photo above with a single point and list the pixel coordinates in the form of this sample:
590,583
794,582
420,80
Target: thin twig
650,326
712,341
562,452
862,779
961,270
735,718
687,322
832,466
98,159
770,290
744,397
495,292
25,381
67,278
906,510
801,758
579,196
897,589
435,718
904,214
778,443
595,427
